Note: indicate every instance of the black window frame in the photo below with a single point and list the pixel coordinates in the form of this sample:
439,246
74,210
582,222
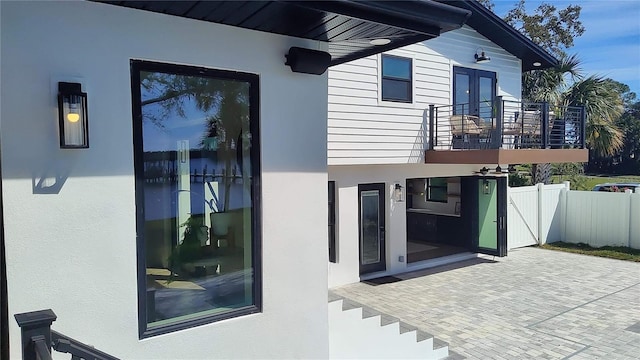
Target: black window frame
429,187
473,106
332,222
138,66
408,81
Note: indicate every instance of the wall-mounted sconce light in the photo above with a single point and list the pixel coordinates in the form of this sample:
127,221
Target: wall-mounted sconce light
486,188
512,169
72,116
498,169
398,193
481,57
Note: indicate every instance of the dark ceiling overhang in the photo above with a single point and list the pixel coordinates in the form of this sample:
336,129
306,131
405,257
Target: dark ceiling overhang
346,25
489,25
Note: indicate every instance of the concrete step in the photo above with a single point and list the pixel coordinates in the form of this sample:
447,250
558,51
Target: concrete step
358,331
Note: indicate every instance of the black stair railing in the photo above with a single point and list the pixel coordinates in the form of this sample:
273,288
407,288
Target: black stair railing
38,339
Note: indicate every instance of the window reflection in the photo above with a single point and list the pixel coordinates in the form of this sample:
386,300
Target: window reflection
197,193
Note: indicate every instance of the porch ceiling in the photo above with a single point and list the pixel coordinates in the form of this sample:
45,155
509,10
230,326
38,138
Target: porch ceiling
347,25
506,156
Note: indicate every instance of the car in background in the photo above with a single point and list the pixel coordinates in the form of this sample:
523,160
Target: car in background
617,187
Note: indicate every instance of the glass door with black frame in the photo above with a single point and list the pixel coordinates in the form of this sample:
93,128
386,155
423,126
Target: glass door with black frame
371,212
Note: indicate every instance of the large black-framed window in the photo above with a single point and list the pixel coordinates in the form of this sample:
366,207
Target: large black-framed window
197,168
397,79
332,222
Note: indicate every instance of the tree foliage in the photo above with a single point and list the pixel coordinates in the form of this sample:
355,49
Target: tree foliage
629,155
225,103
552,28
487,3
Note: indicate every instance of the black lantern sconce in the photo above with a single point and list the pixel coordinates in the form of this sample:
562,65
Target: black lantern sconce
398,193
72,116
486,187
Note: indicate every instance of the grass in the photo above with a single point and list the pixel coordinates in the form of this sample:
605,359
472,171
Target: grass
611,252
589,181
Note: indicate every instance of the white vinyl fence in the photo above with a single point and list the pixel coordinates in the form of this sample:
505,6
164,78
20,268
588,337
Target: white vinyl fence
549,213
534,215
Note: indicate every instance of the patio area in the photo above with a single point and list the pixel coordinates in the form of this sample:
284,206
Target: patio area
533,304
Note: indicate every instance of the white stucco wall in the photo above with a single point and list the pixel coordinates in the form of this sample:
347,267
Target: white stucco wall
72,247
347,178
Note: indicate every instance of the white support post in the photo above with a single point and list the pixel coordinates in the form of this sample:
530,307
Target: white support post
628,217
565,203
542,238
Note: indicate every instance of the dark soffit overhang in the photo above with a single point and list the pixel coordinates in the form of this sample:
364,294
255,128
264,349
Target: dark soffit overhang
346,25
489,25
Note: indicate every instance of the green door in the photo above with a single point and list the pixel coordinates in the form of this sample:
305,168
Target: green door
492,216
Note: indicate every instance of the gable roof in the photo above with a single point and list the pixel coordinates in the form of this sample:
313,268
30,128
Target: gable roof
489,25
347,25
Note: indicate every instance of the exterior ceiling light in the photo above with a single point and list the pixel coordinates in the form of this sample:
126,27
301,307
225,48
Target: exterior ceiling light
379,42
537,64
72,116
481,57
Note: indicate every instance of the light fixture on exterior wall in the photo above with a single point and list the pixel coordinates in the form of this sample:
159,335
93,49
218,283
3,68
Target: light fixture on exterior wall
484,171
482,57
537,64
398,193
486,188
72,116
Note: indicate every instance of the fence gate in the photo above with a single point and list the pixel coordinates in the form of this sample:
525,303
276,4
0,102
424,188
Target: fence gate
522,216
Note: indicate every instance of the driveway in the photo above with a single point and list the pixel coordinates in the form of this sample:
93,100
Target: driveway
532,304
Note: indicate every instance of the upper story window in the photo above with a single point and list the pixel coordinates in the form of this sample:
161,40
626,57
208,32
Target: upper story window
197,164
396,79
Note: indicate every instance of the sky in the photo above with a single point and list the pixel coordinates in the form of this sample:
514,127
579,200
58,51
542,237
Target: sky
610,45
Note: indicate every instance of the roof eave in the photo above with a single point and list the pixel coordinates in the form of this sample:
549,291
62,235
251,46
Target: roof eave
528,51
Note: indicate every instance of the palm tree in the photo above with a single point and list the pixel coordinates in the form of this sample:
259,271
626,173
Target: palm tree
563,86
603,106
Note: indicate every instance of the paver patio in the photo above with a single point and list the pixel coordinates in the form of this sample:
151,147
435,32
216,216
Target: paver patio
533,304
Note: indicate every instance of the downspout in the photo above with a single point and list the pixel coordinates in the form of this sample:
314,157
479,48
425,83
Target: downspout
4,303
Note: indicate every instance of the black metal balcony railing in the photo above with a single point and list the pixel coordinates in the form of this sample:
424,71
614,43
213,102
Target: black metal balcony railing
38,339
505,124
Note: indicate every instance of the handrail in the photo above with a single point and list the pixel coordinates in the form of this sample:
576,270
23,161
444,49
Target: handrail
65,344
38,339
506,124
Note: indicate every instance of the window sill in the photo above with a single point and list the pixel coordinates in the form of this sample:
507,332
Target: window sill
205,320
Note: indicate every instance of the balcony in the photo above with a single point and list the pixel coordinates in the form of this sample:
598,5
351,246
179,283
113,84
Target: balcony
506,132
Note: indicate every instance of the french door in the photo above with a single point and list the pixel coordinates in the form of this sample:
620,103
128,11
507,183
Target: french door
371,215
473,92
491,216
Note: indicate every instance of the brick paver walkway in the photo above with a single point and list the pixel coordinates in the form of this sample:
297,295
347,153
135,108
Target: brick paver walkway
533,304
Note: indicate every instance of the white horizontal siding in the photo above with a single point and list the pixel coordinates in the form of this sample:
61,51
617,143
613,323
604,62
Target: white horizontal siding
364,130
